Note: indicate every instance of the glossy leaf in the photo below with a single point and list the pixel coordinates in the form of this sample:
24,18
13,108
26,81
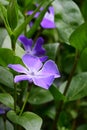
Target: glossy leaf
39,96
78,38
28,120
51,50
12,14
6,77
56,93
68,17
7,56
19,51
3,33
4,2
82,127
7,100
3,14
78,87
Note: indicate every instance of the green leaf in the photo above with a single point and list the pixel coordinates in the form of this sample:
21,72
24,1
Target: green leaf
19,51
51,50
1,123
3,14
82,127
28,120
68,17
84,8
4,2
3,33
78,38
6,77
7,100
83,60
21,3
56,93
39,96
8,125
7,56
12,14
78,87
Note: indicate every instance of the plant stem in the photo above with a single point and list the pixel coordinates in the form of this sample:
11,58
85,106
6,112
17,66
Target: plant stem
15,96
72,72
26,99
4,118
60,105
13,42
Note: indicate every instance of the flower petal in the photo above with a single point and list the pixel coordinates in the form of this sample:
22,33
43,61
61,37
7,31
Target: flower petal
46,23
2,111
19,68
43,58
27,43
30,12
51,10
48,20
38,50
19,78
44,82
50,68
32,62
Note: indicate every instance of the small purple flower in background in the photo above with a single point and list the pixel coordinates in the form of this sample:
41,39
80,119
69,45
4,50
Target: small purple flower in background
48,19
3,109
34,49
41,75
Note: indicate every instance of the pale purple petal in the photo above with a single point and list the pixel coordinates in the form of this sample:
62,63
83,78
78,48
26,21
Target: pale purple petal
2,111
17,67
19,78
44,82
32,62
41,8
51,10
31,23
27,43
30,12
37,15
43,58
50,68
48,20
38,49
46,23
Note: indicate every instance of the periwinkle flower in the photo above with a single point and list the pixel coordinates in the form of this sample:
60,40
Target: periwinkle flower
34,49
3,109
48,19
35,71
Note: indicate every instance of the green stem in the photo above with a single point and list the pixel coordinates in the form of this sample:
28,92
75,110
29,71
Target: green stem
60,105
25,30
1,88
72,72
15,96
13,42
5,125
26,99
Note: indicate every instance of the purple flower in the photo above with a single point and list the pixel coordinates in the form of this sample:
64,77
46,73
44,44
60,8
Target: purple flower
36,49
48,19
3,109
41,75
